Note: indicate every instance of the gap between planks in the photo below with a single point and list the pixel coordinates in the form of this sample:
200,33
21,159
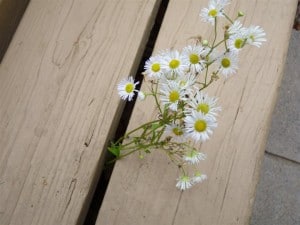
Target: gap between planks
124,120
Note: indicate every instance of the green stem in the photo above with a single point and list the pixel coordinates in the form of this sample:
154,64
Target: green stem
224,40
213,45
206,73
160,134
227,17
215,38
136,129
156,100
120,157
209,83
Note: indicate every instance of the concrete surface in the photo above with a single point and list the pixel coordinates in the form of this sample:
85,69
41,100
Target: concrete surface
278,193
284,138
278,197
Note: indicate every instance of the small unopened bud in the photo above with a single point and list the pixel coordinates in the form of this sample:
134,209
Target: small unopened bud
141,95
226,35
241,14
205,42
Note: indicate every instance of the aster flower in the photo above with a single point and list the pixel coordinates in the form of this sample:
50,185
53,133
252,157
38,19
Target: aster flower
184,182
198,178
153,67
173,62
204,104
171,94
235,28
255,36
186,81
176,132
194,157
213,11
126,88
237,42
199,126
221,3
228,63
193,53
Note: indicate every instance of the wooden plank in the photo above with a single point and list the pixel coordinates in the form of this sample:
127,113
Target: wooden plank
143,191
57,107
11,12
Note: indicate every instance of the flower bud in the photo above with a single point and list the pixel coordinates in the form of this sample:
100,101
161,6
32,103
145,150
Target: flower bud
141,95
241,14
205,42
226,35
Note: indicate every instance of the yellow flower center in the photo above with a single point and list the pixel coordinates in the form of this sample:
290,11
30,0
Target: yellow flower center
238,43
204,108
174,63
192,154
200,125
198,174
225,62
173,96
129,87
177,131
185,179
194,59
213,12
155,67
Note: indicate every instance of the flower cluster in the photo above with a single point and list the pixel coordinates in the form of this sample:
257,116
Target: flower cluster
186,115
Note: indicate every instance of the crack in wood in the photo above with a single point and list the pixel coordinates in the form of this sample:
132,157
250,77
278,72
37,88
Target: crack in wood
71,189
89,139
177,207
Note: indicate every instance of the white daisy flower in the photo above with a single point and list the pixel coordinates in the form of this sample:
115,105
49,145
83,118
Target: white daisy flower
169,76
228,64
213,11
255,36
194,157
237,42
186,81
153,67
221,3
173,62
184,182
171,94
198,178
126,88
193,53
176,132
204,104
199,126
235,28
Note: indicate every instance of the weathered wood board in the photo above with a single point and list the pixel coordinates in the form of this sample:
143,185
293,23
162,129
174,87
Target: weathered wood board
58,107
143,191
11,12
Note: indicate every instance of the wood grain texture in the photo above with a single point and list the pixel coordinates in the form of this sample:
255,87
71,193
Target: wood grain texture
58,104
11,12
143,191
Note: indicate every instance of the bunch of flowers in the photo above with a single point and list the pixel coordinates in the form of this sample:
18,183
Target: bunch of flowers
186,115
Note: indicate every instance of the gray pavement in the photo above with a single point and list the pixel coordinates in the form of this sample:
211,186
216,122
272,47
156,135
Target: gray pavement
277,199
